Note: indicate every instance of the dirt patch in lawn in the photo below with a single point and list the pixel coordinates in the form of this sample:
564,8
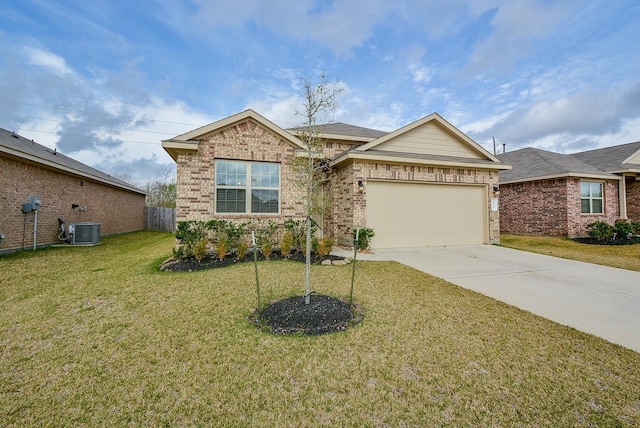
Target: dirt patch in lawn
190,264
323,314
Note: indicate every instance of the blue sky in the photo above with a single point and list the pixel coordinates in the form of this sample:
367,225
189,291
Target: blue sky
104,81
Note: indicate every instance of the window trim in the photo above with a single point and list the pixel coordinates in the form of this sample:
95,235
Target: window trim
591,198
248,187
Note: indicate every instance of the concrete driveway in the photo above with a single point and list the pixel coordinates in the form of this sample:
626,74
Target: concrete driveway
595,299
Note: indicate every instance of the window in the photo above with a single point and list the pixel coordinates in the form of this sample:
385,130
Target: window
247,187
591,197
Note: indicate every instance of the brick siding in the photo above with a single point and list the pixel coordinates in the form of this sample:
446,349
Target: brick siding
247,140
117,210
633,198
551,207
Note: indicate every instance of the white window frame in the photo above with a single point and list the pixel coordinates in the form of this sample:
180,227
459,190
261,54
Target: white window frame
248,186
591,198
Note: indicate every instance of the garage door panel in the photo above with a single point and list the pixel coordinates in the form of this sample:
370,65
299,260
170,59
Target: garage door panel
413,215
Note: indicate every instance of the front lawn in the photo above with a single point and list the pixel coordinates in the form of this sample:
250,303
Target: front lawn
619,256
99,337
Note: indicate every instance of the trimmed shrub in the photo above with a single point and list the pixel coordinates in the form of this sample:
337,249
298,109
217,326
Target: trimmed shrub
600,230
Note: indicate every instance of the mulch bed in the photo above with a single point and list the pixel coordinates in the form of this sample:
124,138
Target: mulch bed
323,314
596,241
291,316
190,264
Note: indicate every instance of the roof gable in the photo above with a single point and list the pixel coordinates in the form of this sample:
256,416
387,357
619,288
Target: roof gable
189,140
29,151
633,159
431,135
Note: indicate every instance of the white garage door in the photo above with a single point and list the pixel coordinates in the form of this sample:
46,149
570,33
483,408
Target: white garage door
415,215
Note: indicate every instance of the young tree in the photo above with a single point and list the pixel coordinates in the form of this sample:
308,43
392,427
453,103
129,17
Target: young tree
319,103
162,189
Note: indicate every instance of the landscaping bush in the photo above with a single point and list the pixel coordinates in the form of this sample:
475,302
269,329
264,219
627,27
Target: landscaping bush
622,229
600,230
298,231
325,245
364,237
286,245
190,233
265,232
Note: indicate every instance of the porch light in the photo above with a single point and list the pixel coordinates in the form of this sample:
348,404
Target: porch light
361,185
496,189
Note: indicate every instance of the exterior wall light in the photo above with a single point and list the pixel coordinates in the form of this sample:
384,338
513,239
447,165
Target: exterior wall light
496,189
361,185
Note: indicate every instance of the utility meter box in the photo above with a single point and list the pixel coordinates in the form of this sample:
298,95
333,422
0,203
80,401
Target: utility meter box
32,205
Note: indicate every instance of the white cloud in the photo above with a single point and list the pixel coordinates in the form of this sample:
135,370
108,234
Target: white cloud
48,60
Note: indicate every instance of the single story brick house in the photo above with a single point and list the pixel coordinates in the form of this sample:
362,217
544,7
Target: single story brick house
550,193
67,188
424,184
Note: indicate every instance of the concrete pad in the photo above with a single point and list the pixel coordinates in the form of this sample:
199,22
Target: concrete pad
595,299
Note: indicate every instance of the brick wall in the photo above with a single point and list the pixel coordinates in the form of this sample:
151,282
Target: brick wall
551,207
117,210
536,207
247,140
633,198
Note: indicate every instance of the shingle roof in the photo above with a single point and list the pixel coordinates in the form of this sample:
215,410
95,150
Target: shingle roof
530,163
340,128
610,158
17,146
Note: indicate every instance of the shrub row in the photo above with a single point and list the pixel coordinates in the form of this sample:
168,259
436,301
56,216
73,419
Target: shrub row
620,230
233,238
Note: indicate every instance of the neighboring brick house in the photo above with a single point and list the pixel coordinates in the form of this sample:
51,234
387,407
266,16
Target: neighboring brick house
30,169
549,193
424,184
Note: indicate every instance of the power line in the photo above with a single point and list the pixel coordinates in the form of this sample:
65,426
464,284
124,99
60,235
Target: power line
96,113
103,100
85,136
97,126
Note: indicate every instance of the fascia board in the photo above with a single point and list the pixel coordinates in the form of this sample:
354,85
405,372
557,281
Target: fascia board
555,176
338,137
356,154
223,123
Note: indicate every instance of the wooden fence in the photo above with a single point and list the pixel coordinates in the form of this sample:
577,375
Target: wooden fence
160,219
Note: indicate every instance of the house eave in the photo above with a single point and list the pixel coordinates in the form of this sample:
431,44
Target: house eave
625,171
172,147
35,160
564,175
336,137
390,158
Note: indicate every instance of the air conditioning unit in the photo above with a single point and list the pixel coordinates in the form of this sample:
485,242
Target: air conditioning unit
84,233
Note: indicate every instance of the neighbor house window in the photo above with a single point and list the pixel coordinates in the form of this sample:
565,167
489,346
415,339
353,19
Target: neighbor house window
591,197
247,187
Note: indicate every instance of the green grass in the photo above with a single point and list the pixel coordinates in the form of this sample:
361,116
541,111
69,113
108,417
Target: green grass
621,256
99,337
